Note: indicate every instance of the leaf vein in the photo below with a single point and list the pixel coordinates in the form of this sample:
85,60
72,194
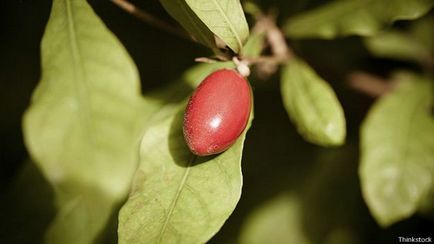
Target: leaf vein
81,89
176,198
231,26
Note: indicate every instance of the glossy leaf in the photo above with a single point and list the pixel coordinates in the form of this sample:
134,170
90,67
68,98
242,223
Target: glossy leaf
180,11
353,17
83,125
225,18
312,105
397,151
177,197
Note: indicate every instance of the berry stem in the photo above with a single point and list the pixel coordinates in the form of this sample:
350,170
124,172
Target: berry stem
242,66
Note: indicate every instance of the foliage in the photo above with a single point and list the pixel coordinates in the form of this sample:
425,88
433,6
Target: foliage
176,196
271,222
397,160
354,17
188,193
296,215
225,18
312,105
110,156
82,127
415,44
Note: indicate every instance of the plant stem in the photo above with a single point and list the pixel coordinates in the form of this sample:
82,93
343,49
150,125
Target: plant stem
369,84
280,51
150,19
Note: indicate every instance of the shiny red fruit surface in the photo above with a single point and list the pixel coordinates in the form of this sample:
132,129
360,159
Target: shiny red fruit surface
217,112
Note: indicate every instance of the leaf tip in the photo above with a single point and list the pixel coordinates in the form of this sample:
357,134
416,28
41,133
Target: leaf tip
335,134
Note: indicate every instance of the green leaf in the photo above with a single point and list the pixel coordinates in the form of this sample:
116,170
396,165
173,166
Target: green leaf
307,210
277,221
180,11
422,31
312,105
83,125
416,44
177,197
397,45
225,18
353,17
397,151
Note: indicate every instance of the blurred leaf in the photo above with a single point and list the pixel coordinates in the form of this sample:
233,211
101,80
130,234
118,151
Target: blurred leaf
321,207
83,126
415,44
397,151
177,197
397,45
334,211
426,207
353,17
27,207
423,31
225,18
278,221
180,11
312,105
254,45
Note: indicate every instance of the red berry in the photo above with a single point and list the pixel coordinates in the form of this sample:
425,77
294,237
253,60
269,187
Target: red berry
217,112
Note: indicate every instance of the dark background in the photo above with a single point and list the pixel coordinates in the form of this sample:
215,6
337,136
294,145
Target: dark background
276,158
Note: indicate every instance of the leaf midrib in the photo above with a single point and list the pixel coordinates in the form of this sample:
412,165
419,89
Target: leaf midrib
231,27
175,198
81,89
310,99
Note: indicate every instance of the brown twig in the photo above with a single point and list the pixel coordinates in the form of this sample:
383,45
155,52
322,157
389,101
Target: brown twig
279,48
369,84
280,51
150,19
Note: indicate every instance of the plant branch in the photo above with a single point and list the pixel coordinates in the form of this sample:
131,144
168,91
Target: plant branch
280,51
369,84
150,19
